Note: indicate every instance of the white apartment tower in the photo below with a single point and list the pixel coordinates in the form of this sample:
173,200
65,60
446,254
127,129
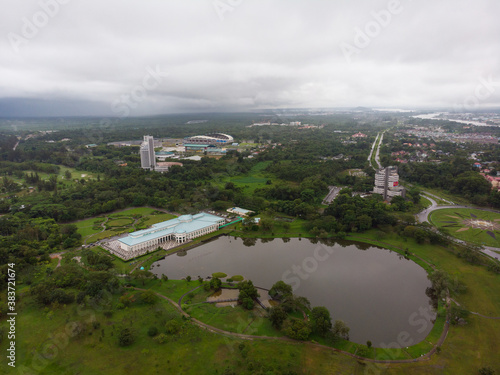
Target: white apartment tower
387,183
148,159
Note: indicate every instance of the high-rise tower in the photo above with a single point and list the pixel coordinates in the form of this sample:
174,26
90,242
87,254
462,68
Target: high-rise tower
148,159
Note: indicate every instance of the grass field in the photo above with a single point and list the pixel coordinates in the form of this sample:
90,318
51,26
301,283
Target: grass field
256,178
126,221
424,202
474,226
120,222
196,351
86,227
47,345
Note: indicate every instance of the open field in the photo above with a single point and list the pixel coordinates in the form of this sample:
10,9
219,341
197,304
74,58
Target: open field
474,226
196,351
256,178
120,222
192,351
89,226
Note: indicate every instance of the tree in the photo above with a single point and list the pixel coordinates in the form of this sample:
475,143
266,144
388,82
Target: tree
143,275
126,337
340,329
172,327
247,303
295,303
486,371
458,313
439,280
286,226
149,297
67,175
414,195
321,319
152,331
277,315
266,224
280,289
364,222
248,293
297,329
215,283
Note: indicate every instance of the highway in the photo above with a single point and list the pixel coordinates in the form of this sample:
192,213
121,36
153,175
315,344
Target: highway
378,140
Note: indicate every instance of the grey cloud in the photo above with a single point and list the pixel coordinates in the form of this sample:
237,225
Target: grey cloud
262,54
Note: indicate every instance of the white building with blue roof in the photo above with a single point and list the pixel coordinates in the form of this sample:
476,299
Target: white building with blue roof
176,231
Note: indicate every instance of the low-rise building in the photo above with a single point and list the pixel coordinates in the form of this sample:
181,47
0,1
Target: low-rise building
239,211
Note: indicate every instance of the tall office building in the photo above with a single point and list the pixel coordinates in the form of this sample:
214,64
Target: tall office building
148,159
387,183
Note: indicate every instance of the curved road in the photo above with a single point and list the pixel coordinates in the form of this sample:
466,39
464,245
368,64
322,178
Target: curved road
423,217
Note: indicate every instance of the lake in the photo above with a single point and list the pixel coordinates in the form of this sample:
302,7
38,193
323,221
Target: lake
377,292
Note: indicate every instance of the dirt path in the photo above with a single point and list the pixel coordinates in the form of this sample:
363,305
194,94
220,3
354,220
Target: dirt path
103,225
219,331
475,313
58,256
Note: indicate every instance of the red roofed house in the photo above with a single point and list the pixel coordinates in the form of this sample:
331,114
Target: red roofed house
359,135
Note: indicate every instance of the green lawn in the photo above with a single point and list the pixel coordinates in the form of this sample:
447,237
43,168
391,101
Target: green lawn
256,178
120,222
424,202
85,227
459,223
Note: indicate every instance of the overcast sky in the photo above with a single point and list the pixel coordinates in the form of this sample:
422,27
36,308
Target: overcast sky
88,57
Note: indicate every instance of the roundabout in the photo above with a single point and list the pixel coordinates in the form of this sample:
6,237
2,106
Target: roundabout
471,225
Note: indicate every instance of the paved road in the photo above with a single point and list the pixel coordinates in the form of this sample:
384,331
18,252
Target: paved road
423,216
334,191
371,151
436,197
377,153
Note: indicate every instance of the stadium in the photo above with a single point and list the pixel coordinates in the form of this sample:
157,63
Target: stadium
209,139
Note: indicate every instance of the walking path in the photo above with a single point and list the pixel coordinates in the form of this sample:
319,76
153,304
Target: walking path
58,256
103,225
219,331
475,313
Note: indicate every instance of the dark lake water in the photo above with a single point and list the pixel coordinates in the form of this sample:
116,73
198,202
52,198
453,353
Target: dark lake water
379,294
